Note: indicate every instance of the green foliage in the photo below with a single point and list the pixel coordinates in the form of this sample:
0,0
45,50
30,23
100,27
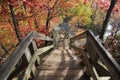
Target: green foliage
82,14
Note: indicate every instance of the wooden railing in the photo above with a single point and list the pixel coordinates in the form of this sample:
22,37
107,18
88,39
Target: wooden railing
98,61
24,60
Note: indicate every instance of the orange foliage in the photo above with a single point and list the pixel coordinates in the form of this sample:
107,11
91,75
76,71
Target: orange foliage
33,9
7,35
24,30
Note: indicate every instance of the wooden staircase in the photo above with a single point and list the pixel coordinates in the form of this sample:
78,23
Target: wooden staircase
58,60
60,64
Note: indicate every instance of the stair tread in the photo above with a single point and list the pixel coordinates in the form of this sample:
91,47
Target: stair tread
60,73
57,78
59,55
60,65
72,64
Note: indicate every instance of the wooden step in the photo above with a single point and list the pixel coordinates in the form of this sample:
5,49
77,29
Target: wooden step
58,78
60,65
58,55
60,73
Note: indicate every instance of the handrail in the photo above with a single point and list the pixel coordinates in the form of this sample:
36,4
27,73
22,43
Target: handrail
32,62
79,36
109,61
14,58
97,48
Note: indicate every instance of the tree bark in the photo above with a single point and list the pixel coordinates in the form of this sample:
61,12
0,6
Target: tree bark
14,21
48,21
49,16
35,23
105,23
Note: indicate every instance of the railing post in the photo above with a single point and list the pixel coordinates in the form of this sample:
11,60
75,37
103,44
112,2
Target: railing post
33,49
54,37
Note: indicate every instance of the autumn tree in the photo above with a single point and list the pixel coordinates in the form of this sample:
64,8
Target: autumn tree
81,15
15,22
104,26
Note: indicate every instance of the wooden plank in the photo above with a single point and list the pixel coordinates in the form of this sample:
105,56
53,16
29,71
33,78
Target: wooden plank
33,48
80,50
32,62
12,60
79,36
98,77
34,71
34,45
28,54
89,66
30,66
44,49
101,69
54,65
59,78
42,36
91,52
109,61
61,73
38,60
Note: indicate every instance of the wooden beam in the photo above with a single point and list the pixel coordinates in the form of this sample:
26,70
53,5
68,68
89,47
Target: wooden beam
79,36
42,36
44,49
14,58
105,56
85,59
32,62
28,54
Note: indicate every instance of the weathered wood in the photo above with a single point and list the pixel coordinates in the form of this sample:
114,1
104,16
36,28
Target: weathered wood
98,77
85,59
10,63
33,48
13,59
92,52
55,37
44,49
95,51
91,71
79,36
31,66
80,50
28,54
109,61
20,67
42,36
34,70
101,69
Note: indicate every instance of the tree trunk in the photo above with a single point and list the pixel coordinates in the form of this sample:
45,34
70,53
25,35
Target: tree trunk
49,16
104,26
35,23
14,21
48,21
